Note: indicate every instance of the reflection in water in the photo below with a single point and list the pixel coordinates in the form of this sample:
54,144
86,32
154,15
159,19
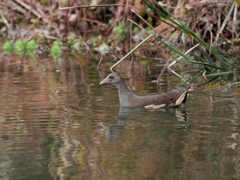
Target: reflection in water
25,121
56,122
178,114
127,113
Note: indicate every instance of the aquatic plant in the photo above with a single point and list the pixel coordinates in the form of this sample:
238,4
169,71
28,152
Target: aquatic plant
20,47
56,49
8,47
221,61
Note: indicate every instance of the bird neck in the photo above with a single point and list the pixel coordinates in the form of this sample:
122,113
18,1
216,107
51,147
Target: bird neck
125,94
122,88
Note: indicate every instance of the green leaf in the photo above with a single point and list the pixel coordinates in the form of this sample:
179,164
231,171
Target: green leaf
8,47
71,38
120,31
219,74
56,50
20,47
31,45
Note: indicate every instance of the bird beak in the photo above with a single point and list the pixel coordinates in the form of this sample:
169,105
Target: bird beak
103,81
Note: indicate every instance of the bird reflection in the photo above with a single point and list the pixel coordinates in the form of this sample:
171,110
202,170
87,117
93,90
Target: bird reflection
176,116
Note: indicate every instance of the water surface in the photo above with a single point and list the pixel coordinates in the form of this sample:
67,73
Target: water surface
56,122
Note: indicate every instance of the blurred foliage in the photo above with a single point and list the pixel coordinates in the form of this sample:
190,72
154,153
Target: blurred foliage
107,25
104,48
20,47
8,47
56,49
120,31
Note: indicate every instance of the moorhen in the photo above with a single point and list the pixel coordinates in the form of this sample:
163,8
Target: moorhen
173,98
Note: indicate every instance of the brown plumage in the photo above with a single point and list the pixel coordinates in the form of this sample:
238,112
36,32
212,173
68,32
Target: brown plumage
173,98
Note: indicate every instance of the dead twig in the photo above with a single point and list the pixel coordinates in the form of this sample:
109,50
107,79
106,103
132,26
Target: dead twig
140,44
30,9
91,6
168,66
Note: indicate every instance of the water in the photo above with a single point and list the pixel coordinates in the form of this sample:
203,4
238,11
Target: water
56,122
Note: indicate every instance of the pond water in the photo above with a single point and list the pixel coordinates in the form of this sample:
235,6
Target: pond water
57,122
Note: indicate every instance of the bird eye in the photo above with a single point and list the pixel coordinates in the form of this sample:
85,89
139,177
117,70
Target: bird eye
111,77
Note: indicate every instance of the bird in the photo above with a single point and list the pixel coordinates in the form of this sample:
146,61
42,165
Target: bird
174,98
